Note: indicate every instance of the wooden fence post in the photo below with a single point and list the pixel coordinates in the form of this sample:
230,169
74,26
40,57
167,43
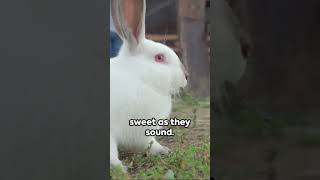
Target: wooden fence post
194,46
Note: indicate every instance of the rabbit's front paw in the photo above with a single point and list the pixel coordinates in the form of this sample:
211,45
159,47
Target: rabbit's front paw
118,163
157,148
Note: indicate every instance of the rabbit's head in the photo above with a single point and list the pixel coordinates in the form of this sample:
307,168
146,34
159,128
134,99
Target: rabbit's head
154,63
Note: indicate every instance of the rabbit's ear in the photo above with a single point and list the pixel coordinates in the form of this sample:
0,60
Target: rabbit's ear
129,19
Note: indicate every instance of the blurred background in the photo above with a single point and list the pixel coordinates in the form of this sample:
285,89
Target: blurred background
266,96
183,25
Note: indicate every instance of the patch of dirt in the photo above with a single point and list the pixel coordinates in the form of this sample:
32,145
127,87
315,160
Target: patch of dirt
197,133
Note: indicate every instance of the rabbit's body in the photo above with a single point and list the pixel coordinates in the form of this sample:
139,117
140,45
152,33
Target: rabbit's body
131,98
142,79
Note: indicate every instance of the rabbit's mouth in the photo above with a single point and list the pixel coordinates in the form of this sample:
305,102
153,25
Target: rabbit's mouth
177,91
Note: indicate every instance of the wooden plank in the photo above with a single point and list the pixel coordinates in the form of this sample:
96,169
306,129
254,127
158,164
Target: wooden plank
163,37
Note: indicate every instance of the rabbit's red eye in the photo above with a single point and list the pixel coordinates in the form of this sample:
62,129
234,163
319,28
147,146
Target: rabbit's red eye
159,58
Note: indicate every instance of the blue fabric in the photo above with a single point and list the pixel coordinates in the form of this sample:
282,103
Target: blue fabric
115,44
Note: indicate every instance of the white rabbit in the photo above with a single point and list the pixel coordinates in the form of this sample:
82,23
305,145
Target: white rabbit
143,77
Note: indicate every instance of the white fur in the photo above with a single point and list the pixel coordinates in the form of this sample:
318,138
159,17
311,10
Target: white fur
141,88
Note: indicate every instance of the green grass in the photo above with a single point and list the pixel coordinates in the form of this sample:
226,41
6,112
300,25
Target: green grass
118,173
198,101
190,101
185,162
